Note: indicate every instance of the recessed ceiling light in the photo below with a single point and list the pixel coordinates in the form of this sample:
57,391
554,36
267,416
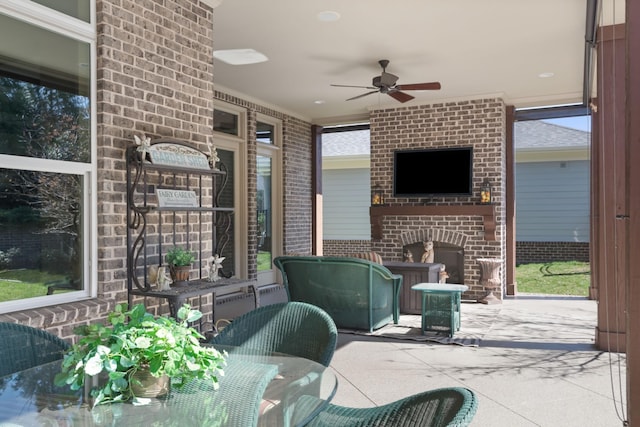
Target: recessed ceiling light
212,3
239,56
328,16
319,101
545,75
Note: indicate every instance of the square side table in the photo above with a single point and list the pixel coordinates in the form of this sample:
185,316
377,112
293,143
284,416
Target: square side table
440,306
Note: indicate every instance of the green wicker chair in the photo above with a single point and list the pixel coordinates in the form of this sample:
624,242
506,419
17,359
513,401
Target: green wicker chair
454,406
235,404
294,328
24,347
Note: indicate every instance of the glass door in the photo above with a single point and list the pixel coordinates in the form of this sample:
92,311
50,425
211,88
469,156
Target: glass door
267,200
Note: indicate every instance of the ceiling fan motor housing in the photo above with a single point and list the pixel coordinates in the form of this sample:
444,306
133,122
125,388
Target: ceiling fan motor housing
385,80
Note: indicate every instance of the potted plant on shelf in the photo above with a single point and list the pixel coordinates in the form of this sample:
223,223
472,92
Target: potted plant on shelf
123,358
179,261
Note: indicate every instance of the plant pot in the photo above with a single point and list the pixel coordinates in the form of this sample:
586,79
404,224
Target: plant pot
180,274
143,384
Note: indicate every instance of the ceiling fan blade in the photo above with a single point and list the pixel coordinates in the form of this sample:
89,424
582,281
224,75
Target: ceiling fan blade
420,86
363,95
400,96
363,87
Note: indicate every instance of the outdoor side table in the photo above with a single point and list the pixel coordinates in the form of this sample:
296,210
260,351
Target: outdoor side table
440,306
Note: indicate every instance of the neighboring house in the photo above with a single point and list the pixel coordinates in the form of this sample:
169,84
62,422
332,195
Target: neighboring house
552,192
346,192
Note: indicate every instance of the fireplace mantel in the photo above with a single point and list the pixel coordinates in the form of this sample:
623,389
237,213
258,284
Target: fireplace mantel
487,212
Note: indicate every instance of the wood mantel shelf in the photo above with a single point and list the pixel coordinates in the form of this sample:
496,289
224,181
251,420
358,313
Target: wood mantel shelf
487,212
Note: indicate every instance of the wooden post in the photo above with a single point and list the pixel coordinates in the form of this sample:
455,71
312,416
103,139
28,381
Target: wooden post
632,146
510,198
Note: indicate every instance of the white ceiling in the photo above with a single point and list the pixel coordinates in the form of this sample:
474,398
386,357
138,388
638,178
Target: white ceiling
472,47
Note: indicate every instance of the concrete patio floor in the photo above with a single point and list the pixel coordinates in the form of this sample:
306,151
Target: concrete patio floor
536,366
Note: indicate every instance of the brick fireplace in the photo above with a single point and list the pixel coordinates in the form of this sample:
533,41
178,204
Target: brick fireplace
451,254
461,228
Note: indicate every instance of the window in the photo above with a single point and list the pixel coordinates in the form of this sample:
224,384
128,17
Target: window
46,161
268,199
80,9
230,143
226,122
265,133
226,238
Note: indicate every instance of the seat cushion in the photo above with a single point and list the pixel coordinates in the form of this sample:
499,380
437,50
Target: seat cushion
369,256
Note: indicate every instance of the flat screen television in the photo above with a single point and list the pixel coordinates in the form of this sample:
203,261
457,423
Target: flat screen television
438,172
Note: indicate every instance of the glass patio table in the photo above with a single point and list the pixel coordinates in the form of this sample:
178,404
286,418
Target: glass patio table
257,389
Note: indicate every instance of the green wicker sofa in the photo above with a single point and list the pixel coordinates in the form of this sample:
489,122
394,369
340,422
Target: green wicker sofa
357,293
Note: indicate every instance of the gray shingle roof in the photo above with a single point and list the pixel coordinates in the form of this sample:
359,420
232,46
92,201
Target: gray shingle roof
345,143
528,134
539,134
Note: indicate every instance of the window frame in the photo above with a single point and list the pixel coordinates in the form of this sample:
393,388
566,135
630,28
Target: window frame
83,32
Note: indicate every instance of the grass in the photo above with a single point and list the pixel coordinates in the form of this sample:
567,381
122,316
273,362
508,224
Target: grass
24,283
554,278
264,261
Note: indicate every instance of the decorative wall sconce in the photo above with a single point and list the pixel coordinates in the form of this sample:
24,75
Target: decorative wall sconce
486,193
377,197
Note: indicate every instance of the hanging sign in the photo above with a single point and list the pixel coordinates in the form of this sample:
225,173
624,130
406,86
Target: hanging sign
166,153
176,198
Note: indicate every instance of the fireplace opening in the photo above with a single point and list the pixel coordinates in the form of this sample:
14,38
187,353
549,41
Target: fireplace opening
452,256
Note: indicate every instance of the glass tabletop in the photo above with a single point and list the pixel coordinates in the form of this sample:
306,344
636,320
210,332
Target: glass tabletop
266,389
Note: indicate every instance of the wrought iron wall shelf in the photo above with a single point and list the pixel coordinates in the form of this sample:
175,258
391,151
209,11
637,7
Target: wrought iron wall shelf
203,225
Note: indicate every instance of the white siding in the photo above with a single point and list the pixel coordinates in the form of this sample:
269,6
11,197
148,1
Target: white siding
346,194
552,201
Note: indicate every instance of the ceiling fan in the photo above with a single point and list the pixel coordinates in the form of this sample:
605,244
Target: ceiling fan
386,83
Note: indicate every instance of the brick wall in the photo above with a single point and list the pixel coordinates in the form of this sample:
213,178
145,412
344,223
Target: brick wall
344,247
479,123
155,77
296,187
540,252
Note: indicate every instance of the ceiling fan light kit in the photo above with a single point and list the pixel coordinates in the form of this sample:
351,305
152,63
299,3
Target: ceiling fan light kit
386,83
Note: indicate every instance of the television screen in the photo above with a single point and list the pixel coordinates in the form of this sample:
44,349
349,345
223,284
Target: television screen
433,172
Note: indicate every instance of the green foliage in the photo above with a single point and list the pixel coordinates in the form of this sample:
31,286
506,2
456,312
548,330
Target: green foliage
162,345
55,260
555,278
6,257
20,215
179,257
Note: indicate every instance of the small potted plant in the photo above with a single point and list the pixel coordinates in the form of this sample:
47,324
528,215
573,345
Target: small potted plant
179,261
123,358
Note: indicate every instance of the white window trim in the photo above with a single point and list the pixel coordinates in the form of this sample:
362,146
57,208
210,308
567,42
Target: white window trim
50,19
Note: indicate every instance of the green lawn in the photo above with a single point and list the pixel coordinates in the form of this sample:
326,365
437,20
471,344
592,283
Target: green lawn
18,284
264,261
556,278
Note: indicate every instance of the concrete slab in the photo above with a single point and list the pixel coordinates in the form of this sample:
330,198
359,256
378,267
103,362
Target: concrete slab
536,366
